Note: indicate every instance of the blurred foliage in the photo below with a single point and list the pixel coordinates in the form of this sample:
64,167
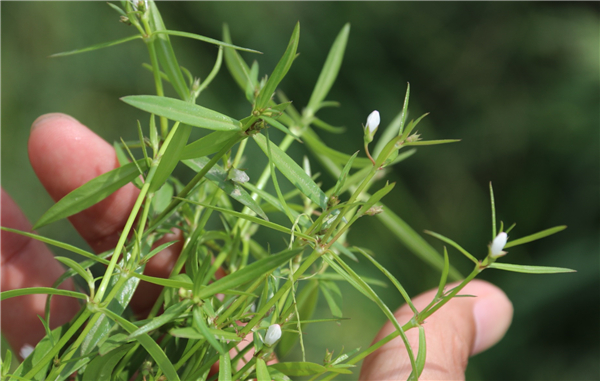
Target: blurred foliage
517,82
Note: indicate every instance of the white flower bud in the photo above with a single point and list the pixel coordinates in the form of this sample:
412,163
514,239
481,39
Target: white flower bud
25,351
273,334
373,122
498,245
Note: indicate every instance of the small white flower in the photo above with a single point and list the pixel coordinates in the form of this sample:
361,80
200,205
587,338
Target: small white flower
25,351
498,245
273,334
373,122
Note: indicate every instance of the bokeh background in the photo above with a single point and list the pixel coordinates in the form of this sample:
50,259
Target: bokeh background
517,82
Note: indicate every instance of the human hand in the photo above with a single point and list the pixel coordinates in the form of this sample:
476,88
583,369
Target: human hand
460,329
65,155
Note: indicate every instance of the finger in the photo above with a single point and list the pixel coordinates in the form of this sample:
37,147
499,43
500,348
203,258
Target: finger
65,155
26,262
461,328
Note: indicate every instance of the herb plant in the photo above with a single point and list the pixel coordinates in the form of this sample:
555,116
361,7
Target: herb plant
200,317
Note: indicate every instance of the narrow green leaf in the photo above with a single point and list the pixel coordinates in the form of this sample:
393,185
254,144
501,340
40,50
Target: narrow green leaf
327,127
262,373
421,355
404,112
374,199
166,55
299,369
174,283
493,205
454,244
333,296
157,250
98,46
330,70
391,278
294,173
225,367
200,323
184,112
530,269
412,125
56,243
91,193
101,367
366,290
444,277
219,176
171,313
153,349
205,39
170,158
414,242
208,144
430,142
536,236
112,342
41,290
6,363
192,333
238,68
254,219
248,273
116,8
280,70
335,276
279,126
77,268
344,175
316,145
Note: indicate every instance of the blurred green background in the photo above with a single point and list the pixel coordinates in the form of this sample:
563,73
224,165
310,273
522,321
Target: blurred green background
517,82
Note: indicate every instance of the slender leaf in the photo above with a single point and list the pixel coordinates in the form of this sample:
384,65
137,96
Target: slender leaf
62,245
454,244
530,269
219,176
444,277
344,175
430,142
392,278
225,367
101,367
248,273
77,268
200,323
327,127
205,39
238,68
184,112
414,242
91,193
381,193
170,158
254,219
171,313
208,144
280,70
421,355
299,369
333,296
98,46
536,236
330,70
174,283
262,373
149,344
165,54
41,290
192,333
294,173
316,145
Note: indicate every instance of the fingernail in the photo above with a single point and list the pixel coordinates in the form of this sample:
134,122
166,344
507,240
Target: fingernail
48,117
493,315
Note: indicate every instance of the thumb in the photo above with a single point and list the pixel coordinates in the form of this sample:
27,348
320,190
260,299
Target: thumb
461,328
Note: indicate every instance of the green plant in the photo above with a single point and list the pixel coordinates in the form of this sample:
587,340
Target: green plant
196,322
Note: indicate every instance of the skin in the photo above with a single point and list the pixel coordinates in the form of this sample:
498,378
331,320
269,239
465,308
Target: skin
462,328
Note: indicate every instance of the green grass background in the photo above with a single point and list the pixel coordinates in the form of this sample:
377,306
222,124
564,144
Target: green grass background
517,82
